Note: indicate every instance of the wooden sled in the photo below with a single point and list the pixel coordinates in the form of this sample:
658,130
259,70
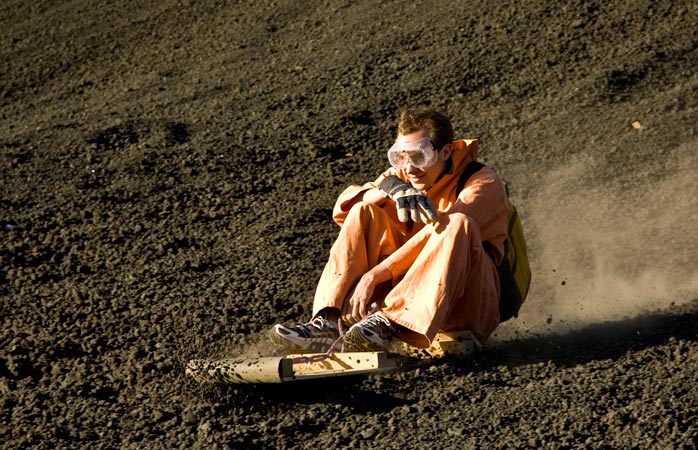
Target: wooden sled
282,369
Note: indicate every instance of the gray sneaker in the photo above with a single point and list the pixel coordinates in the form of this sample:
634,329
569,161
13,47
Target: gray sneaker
373,334
316,336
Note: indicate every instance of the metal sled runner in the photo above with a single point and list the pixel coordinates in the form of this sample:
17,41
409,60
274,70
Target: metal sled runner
282,369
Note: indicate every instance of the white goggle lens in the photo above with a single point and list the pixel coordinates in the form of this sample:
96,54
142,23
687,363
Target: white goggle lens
421,155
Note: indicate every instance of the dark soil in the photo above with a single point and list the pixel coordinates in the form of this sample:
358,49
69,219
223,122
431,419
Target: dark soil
168,174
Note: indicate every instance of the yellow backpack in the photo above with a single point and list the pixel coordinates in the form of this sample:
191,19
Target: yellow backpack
514,271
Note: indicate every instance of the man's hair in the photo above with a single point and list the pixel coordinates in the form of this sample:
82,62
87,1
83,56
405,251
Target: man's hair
437,124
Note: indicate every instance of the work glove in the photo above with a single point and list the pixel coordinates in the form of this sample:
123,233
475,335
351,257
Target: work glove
410,202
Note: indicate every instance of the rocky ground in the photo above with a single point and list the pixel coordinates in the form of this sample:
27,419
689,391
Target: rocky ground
168,173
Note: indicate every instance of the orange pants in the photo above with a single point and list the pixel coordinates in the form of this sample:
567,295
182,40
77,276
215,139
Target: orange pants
442,277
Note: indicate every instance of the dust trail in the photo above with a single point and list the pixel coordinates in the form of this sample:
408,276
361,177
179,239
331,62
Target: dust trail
254,345
607,252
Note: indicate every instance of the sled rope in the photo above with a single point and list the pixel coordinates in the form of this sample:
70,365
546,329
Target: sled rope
324,356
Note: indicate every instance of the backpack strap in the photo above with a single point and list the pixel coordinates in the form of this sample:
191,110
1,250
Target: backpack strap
469,171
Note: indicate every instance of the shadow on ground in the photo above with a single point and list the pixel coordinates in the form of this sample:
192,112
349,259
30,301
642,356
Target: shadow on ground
382,393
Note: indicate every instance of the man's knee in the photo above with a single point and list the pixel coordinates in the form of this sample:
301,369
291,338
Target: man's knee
460,221
363,210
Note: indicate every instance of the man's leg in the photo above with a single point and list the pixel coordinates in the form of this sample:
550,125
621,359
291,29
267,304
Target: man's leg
367,236
452,284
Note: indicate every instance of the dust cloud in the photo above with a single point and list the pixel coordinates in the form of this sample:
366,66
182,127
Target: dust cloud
611,250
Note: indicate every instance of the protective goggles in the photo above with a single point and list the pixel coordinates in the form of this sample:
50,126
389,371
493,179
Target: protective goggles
420,154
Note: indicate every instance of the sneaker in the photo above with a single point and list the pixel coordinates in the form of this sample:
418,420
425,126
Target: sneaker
373,334
315,336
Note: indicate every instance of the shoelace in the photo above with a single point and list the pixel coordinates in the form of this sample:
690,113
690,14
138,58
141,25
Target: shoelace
306,328
324,356
377,319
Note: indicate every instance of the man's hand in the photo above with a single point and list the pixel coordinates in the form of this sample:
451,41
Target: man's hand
410,202
355,306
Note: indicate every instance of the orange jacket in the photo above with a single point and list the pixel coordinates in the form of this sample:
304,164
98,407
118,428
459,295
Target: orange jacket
483,199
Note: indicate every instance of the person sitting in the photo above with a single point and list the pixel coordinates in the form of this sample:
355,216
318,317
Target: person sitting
409,259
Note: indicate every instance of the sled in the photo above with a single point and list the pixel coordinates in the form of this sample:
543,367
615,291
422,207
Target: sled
296,367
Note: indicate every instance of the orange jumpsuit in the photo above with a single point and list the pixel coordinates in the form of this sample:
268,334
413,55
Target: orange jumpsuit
442,278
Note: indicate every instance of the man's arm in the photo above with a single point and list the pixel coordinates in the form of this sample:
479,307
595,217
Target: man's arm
368,193
375,196
484,199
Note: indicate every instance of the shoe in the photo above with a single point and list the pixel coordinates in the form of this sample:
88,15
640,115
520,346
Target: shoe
315,336
373,334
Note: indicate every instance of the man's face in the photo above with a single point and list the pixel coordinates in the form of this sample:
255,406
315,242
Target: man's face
422,178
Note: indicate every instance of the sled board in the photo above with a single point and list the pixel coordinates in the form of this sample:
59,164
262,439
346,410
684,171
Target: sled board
281,369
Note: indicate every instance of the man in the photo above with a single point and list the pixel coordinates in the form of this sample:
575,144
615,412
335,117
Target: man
409,260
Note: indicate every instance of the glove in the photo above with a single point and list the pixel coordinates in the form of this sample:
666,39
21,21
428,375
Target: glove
410,202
